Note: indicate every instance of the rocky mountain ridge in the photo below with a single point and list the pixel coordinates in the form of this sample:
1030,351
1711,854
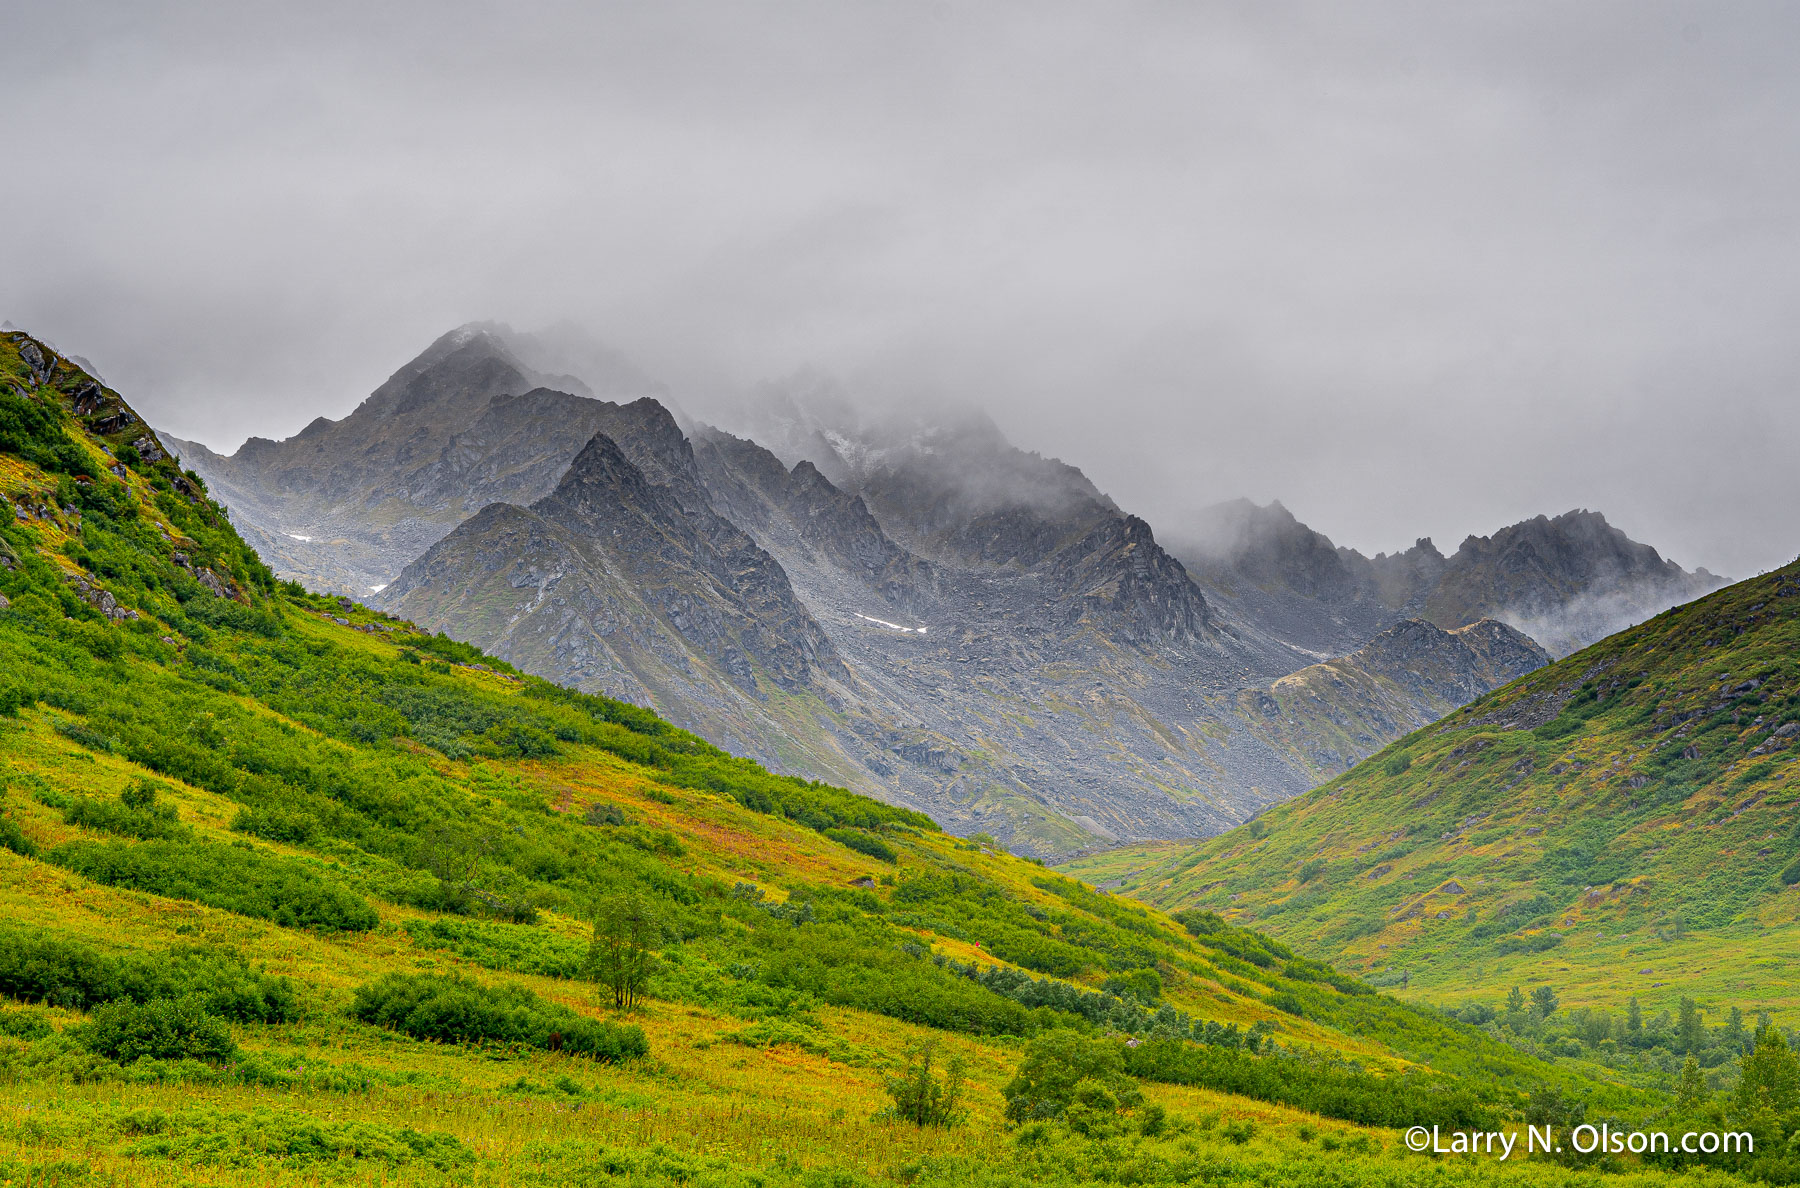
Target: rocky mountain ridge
1567,581
913,608
346,504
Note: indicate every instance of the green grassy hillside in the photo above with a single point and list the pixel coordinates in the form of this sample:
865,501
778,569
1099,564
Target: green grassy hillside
1618,826
292,893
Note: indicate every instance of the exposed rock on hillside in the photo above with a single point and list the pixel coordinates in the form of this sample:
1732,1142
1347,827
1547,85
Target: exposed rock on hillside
1332,715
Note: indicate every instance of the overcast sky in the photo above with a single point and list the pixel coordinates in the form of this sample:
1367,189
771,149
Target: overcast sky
1414,269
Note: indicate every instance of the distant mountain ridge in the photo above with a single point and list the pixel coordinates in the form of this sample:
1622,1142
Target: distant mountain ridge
910,607
1567,581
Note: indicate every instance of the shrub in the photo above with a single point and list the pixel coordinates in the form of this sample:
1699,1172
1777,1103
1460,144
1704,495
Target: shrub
24,1023
164,1029
12,700
278,825
1333,1090
1139,985
1055,1064
863,843
454,1009
136,813
1239,1132
37,968
14,839
601,813
920,1097
232,878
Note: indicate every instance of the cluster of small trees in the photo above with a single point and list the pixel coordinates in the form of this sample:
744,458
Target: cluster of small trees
1536,1022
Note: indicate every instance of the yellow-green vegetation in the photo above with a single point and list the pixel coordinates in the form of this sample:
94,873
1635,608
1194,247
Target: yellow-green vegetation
293,893
1613,834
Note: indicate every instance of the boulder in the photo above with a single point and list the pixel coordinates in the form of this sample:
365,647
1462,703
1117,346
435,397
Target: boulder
88,399
149,449
214,584
5,603
33,357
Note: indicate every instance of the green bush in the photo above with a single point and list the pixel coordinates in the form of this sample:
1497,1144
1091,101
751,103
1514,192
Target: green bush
163,1029
863,843
14,839
39,968
1059,1063
454,1009
1321,1087
135,813
231,878
920,1096
277,825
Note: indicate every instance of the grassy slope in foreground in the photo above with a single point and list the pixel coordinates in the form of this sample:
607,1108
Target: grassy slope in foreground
197,762
1618,824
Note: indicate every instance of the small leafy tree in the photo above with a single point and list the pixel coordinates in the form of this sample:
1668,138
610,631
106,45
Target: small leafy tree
1057,1062
1544,1001
1690,1089
1771,1078
920,1096
622,956
1515,1001
1690,1033
453,860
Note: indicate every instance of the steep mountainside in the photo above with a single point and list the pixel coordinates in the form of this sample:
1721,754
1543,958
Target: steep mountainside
916,608
291,890
1567,581
1618,823
619,584
975,694
346,504
1334,714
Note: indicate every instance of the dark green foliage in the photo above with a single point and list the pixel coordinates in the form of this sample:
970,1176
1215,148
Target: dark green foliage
35,433
1335,1090
37,968
135,813
24,1023
289,892
863,843
601,813
1057,1065
920,1096
13,838
854,966
1140,985
13,699
162,1029
276,824
459,1010
503,946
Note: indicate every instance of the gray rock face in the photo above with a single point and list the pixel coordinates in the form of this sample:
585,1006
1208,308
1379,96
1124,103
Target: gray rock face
1566,581
345,505
916,610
